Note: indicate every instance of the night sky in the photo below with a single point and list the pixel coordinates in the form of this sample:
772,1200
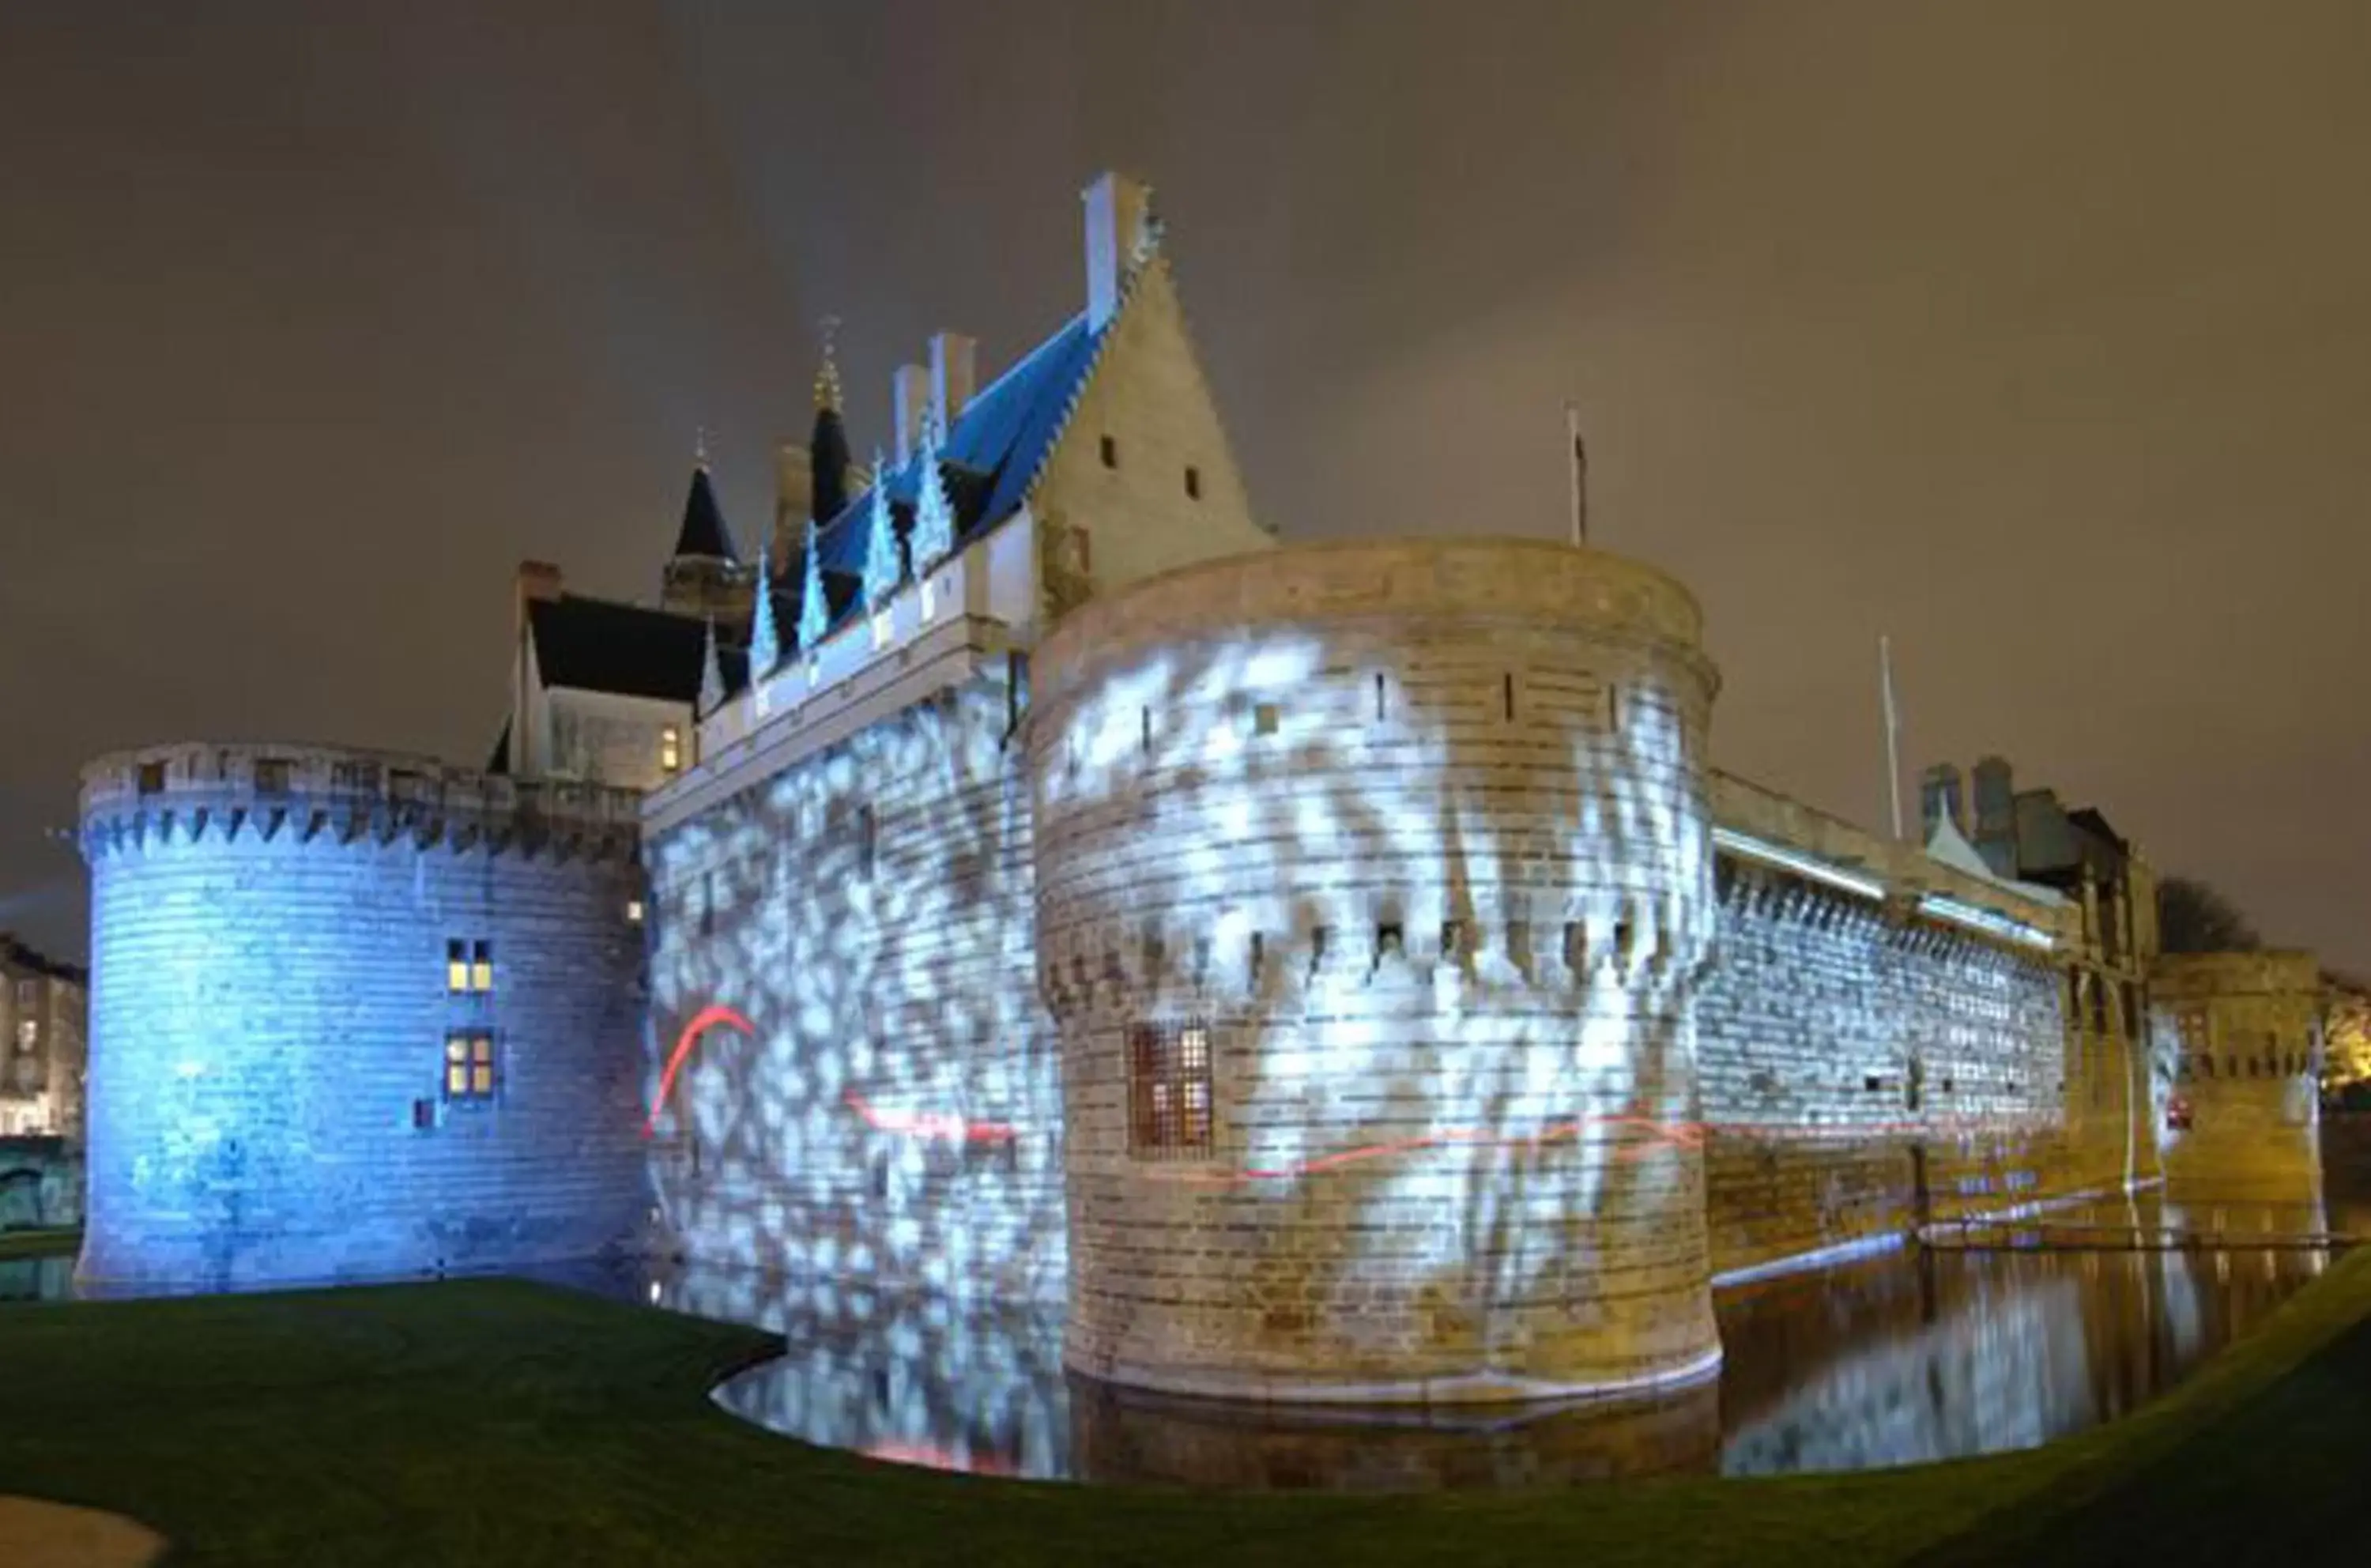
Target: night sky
2037,334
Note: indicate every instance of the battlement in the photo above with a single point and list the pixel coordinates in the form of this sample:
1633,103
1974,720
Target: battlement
2202,976
183,792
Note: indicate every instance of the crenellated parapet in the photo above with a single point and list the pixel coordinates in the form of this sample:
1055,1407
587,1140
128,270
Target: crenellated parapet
1374,886
189,792
355,1014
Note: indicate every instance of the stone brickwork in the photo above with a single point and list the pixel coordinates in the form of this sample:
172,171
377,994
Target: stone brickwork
40,1183
1870,1063
273,1010
1849,1056
1413,835
1145,479
893,1116
2244,1031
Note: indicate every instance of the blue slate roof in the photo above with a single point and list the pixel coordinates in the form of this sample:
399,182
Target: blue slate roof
988,461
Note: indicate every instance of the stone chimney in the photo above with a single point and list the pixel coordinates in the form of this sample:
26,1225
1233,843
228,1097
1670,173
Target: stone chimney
954,373
911,389
1118,211
1939,798
1995,811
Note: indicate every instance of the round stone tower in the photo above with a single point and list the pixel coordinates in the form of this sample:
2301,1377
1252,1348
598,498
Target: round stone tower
1374,882
2244,1121
355,1015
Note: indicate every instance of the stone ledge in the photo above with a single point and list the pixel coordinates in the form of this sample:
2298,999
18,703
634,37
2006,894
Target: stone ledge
183,792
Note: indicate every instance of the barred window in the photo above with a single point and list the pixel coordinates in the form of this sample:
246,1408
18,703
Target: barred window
1169,1089
468,1065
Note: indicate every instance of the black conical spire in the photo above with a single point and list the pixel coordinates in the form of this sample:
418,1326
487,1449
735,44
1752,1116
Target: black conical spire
704,534
828,443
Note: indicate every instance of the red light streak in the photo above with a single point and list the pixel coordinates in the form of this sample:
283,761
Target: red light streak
929,1123
703,1020
1659,1135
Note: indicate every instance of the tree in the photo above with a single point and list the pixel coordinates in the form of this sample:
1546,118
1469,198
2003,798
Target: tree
2346,1034
2194,918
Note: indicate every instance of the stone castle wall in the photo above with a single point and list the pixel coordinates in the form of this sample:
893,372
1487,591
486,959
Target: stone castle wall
1867,1064
1413,836
891,1114
2245,1032
271,1013
1418,837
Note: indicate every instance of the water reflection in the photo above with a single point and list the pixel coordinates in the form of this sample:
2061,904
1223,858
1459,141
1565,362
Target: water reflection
1999,1337
1920,1355
45,1278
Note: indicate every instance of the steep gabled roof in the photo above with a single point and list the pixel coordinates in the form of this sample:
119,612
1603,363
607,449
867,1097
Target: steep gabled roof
600,645
2088,819
703,533
995,452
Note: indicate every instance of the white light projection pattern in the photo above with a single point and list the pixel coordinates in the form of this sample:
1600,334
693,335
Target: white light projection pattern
1844,1050
895,1116
1420,830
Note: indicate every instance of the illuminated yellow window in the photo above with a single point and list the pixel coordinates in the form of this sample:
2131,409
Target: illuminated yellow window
456,966
468,1066
482,966
1169,1069
670,749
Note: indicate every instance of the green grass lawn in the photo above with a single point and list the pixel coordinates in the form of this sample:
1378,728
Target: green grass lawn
500,1422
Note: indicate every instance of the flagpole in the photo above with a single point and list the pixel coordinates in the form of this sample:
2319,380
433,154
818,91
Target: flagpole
1580,477
1892,730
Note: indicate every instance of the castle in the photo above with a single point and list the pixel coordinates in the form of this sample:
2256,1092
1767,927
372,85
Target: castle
1332,973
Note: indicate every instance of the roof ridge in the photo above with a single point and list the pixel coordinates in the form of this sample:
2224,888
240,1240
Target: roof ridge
1103,338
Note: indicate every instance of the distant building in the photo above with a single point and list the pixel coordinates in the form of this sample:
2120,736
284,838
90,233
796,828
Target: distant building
44,1005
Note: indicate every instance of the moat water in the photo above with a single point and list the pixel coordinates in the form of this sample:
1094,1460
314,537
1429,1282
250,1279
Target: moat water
1999,1338
2004,1337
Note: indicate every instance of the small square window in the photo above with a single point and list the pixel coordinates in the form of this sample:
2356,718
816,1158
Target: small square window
152,778
468,1066
272,775
1193,482
633,911
1110,450
1265,718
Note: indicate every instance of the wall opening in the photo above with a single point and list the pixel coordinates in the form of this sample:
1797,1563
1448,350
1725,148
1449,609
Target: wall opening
1169,1089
